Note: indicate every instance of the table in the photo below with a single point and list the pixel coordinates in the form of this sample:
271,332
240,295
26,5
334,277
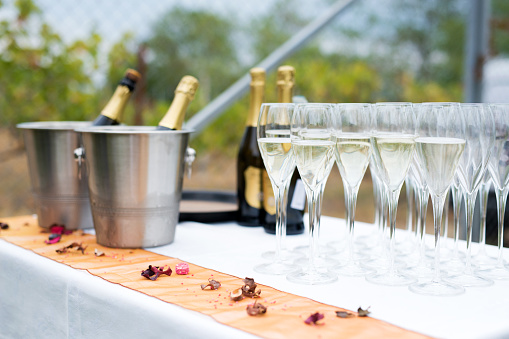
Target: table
40,298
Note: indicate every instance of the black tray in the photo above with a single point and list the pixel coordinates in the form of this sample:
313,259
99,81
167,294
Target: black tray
208,206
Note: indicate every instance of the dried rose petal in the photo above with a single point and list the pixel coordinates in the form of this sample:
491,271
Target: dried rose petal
363,313
182,268
344,314
256,309
98,253
59,229
65,249
53,238
236,295
153,272
213,284
249,289
314,318
3,226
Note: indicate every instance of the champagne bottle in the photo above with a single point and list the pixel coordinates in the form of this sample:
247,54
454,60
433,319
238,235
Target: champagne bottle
296,192
112,112
184,94
249,161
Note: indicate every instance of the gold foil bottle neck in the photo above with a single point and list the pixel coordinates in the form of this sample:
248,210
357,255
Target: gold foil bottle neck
285,82
188,86
184,94
257,86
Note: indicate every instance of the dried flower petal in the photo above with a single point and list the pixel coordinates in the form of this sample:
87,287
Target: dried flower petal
98,253
344,314
59,229
65,249
53,238
249,289
213,284
363,313
3,226
314,318
153,272
256,309
236,295
182,268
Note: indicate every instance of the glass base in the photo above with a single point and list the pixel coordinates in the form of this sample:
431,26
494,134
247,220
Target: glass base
284,255
321,250
276,268
467,279
495,273
312,277
483,260
351,270
319,262
390,278
382,263
453,265
419,272
436,288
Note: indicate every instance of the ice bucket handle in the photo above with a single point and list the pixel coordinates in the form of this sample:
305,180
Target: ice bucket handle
79,156
189,158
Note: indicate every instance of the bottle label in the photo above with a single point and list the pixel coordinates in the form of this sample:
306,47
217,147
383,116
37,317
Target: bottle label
252,193
299,196
269,201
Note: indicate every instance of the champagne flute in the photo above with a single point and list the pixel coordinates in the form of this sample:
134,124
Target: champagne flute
499,168
313,146
440,145
479,136
275,147
393,145
352,151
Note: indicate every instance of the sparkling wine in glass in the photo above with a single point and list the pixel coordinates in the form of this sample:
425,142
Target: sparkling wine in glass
352,151
312,138
276,149
439,146
393,146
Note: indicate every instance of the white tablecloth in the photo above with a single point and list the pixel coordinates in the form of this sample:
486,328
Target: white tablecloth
40,298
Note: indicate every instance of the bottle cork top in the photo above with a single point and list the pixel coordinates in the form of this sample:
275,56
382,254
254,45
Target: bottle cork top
285,75
257,76
132,74
188,86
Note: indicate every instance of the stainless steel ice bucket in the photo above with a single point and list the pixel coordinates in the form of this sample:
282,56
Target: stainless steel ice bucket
135,183
60,194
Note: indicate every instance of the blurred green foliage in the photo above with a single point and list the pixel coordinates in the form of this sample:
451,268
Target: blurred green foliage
44,78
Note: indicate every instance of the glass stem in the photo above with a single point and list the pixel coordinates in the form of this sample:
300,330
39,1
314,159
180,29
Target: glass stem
279,194
393,207
350,199
283,208
446,219
456,206
483,207
469,208
410,206
423,199
438,209
501,202
313,197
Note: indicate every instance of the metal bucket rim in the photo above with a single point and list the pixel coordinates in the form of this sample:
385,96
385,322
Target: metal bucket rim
142,130
54,125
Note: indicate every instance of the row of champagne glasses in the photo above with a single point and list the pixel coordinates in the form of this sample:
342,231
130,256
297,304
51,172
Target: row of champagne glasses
317,134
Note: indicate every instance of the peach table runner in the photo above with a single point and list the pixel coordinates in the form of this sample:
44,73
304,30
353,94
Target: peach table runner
284,318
